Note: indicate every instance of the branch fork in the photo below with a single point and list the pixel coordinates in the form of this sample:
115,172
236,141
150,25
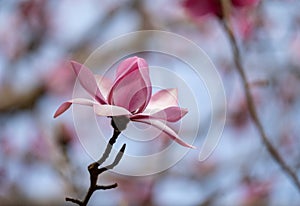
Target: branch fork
95,171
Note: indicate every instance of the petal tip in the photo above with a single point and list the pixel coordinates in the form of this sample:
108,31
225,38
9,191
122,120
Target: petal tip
141,62
184,111
192,147
62,109
76,66
74,63
173,90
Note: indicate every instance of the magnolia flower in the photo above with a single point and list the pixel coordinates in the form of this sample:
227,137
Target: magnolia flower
130,96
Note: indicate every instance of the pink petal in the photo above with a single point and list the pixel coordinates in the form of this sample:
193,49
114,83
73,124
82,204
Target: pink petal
167,130
62,108
104,84
197,8
110,110
132,87
88,82
163,99
126,66
170,114
66,105
243,3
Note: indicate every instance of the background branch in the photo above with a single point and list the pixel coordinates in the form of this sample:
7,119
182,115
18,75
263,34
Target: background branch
250,102
12,101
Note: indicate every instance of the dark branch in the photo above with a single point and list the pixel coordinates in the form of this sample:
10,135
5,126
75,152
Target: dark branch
95,171
78,202
106,187
109,146
118,158
116,161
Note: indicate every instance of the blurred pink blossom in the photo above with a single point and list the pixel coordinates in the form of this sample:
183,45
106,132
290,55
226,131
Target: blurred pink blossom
60,79
245,24
256,192
136,191
129,95
198,8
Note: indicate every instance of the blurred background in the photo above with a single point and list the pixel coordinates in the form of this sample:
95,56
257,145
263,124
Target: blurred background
42,160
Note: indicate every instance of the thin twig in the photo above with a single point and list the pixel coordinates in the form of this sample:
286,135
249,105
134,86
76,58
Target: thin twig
250,102
78,202
95,171
106,187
